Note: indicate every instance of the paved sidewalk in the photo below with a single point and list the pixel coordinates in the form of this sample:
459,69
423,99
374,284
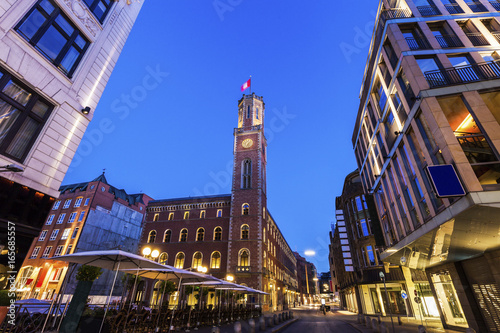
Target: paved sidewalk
411,326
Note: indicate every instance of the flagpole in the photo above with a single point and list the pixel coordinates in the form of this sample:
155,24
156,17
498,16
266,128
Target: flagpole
250,85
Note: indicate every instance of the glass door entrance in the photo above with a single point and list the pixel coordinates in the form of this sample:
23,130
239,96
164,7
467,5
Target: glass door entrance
448,300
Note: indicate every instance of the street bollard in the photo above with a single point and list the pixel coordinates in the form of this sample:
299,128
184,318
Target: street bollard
251,323
291,315
368,322
379,319
375,325
383,328
421,329
279,318
262,323
400,322
237,327
285,315
470,330
275,320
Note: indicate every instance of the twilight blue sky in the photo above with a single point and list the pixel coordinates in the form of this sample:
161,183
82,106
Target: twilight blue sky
175,138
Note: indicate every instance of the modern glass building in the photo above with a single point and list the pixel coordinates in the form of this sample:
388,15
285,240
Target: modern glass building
427,140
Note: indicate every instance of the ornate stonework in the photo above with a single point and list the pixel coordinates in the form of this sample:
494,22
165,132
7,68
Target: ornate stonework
81,11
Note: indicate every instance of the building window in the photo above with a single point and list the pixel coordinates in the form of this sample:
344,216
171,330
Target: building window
82,214
197,260
246,175
245,209
100,8
72,217
75,232
186,215
183,236
170,216
163,259
218,233
48,29
57,203
215,260
58,250
152,236
167,235
67,203
86,201
68,250
179,260
244,259
54,234
78,202
156,217
34,254
42,236
46,252
257,113
248,111
50,219
61,218
219,212
244,231
66,233
200,235
371,255
202,214
23,114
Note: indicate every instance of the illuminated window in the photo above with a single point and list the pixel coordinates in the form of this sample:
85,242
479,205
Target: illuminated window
200,235
246,174
244,258
186,215
197,260
244,231
78,202
167,235
50,219
68,250
56,204
218,233
245,209
35,252
75,232
257,113
156,217
202,214
179,260
67,203
42,236
58,250
65,233
152,236
163,259
219,212
170,216
183,236
215,260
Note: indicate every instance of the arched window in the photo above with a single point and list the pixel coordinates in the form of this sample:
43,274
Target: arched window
183,236
197,260
156,294
186,215
163,258
170,216
152,236
219,212
245,209
246,174
264,235
244,231
244,258
167,235
215,260
248,111
202,214
179,260
200,235
218,233
156,217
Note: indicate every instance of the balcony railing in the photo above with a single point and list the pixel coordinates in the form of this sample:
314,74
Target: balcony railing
496,34
242,269
463,74
476,7
495,5
446,41
477,39
454,8
428,10
395,13
417,43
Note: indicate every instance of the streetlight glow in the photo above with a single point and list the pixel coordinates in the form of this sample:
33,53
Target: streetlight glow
310,253
155,254
230,278
146,251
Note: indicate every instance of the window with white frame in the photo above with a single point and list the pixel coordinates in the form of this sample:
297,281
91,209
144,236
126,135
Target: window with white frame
56,275
46,252
54,234
78,202
50,219
34,254
56,204
58,250
72,217
67,203
61,218
42,236
65,233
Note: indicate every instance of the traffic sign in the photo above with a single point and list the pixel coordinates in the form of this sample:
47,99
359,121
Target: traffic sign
417,300
403,294
415,291
402,260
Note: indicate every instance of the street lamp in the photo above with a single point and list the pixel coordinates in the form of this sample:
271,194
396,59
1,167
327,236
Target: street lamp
146,251
202,269
155,254
229,278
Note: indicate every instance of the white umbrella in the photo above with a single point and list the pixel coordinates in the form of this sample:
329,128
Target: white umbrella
109,259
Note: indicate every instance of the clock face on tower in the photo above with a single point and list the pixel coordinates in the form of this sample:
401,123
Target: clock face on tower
247,143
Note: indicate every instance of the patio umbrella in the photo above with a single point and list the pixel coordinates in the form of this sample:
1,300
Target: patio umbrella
109,259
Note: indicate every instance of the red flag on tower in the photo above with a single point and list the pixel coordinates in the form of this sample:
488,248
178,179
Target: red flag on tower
245,85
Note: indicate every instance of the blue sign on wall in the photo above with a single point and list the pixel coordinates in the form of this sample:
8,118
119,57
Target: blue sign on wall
445,180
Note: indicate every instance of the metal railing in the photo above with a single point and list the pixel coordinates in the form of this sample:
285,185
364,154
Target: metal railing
496,34
454,8
463,74
417,43
428,10
446,41
495,5
395,13
477,39
476,7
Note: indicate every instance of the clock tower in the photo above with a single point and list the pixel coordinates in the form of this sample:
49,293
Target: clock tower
248,202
